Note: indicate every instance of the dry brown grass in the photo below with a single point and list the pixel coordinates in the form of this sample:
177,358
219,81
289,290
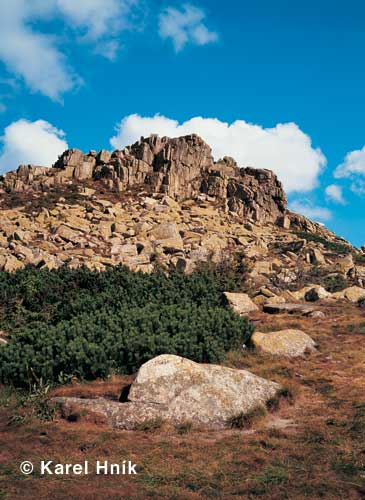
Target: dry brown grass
309,446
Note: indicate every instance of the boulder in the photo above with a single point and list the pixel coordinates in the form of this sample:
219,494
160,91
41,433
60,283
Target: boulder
177,390
165,231
288,308
316,256
240,303
311,293
68,234
12,264
345,265
290,343
316,293
354,293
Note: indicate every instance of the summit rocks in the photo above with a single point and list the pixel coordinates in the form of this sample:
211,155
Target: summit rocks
183,168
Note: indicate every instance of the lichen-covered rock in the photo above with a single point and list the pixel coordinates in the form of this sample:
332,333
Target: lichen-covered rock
312,293
240,303
176,390
352,294
290,343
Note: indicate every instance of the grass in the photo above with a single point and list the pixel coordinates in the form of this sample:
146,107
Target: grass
246,420
320,456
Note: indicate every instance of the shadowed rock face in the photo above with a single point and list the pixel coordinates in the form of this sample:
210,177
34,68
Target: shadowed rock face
182,168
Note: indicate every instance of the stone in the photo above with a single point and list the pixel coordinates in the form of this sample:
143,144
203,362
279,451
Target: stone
164,231
345,265
290,343
171,245
240,303
13,264
177,390
289,308
354,293
77,223
316,256
317,315
103,156
124,251
68,234
316,293
261,267
284,222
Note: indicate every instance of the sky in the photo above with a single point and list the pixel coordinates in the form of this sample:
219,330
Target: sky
276,85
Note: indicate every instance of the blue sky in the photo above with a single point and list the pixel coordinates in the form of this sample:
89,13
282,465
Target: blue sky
277,85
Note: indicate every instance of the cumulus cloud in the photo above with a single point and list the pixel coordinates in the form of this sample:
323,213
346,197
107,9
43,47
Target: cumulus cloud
38,143
285,149
354,164
353,167
312,212
185,26
36,57
334,193
32,55
99,21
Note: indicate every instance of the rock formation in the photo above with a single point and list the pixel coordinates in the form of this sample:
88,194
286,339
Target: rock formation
182,168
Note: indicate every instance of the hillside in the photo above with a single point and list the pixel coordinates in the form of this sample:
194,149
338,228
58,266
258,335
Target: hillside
156,305
164,202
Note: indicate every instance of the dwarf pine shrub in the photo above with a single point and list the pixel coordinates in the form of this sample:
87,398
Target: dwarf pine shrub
86,324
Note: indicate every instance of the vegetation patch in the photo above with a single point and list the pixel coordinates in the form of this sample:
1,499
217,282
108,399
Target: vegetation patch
332,246
85,324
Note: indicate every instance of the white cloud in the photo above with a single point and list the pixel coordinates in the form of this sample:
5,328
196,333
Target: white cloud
353,167
36,57
185,26
308,210
334,193
285,149
30,54
99,21
25,142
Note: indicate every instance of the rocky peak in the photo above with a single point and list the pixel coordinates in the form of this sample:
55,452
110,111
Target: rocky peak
182,168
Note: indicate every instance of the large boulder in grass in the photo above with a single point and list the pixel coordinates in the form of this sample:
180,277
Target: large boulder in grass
290,343
177,390
240,303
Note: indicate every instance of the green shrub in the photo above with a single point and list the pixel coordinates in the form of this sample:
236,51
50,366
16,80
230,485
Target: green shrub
335,283
82,323
329,245
359,259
